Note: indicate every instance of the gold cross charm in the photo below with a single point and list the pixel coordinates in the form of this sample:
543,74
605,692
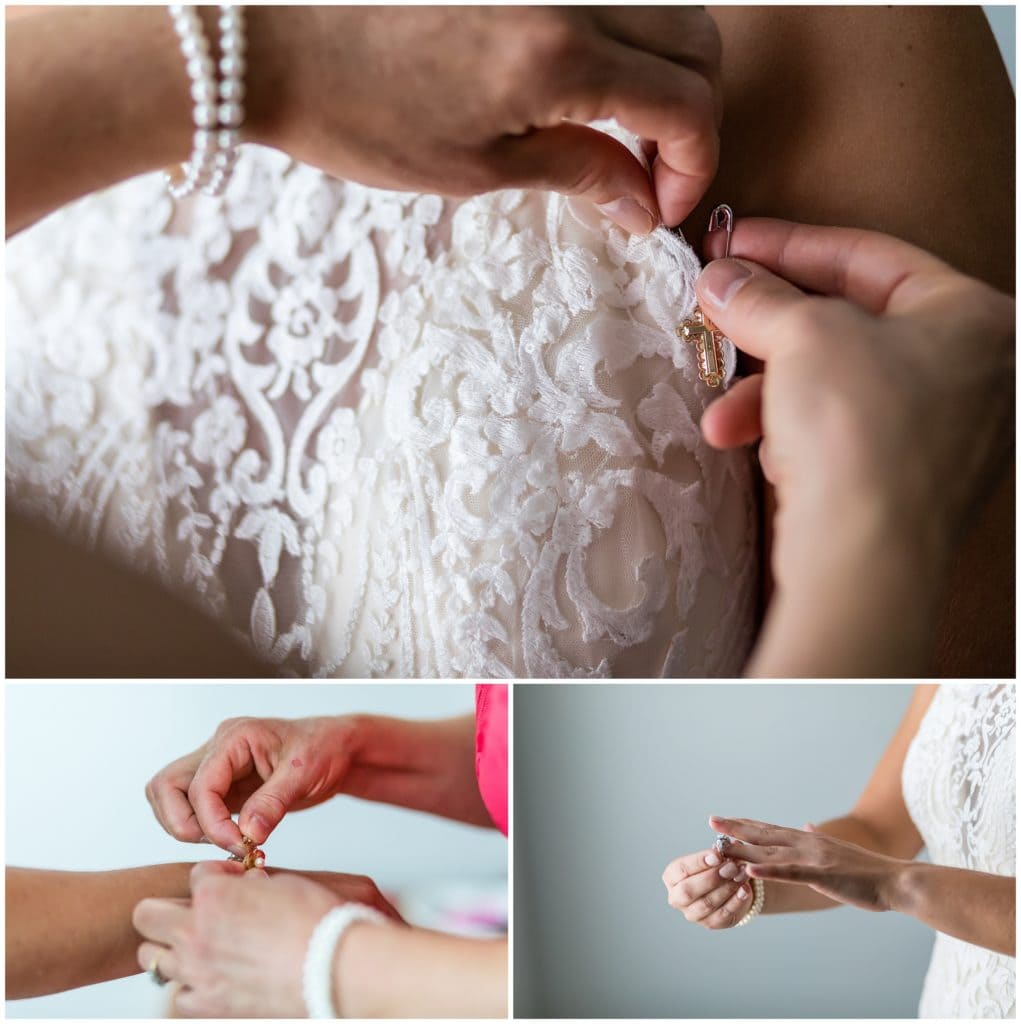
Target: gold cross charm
698,330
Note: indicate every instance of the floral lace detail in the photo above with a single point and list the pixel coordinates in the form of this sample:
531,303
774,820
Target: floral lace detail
959,786
379,433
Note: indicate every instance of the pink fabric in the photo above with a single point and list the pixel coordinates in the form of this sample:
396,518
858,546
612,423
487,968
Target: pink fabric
491,749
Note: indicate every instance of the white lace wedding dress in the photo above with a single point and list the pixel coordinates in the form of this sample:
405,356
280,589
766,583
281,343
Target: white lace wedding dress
381,433
959,786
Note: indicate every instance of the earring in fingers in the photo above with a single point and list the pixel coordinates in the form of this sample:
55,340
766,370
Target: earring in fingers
253,858
721,843
698,330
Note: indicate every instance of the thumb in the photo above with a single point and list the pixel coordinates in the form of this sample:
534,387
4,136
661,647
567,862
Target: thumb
266,807
750,305
580,161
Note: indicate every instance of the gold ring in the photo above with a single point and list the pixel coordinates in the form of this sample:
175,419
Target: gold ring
154,973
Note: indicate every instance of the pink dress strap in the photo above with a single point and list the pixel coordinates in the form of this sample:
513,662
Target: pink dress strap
491,749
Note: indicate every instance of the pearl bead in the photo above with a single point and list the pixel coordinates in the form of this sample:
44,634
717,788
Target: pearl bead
232,66
231,114
232,90
228,138
232,42
230,21
203,91
200,67
194,46
205,115
204,140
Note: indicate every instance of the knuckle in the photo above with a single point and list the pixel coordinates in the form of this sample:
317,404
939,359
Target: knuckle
140,915
708,903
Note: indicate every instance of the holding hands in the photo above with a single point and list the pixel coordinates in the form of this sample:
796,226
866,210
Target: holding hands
834,868
708,889
237,949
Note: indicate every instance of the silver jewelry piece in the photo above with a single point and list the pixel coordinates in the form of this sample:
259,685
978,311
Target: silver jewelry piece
721,843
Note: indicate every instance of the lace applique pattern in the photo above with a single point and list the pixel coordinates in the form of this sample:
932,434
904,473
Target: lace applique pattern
959,787
380,433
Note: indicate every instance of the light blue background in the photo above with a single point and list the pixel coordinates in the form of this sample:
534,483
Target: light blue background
1002,19
78,758
614,781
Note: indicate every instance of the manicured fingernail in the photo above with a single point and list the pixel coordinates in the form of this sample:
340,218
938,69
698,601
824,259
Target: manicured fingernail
712,860
728,870
742,894
721,279
629,215
741,876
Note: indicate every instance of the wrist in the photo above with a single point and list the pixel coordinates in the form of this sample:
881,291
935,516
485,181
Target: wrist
269,82
904,886
354,993
834,601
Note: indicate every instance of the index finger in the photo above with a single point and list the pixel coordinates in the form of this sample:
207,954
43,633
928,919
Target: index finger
219,769
873,270
688,865
676,107
760,833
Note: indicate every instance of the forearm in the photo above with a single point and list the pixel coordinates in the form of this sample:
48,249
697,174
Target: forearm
425,766
969,905
68,928
440,975
866,609
94,95
784,898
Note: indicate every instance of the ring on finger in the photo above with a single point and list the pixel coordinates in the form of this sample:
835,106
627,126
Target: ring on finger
154,973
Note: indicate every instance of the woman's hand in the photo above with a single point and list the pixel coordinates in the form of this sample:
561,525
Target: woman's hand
707,889
260,767
463,100
885,410
238,949
832,867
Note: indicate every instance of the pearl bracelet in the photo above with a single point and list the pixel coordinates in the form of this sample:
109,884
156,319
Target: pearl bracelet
219,111
759,888
317,976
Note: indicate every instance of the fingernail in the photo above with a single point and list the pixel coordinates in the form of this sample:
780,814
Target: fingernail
740,876
742,894
712,860
728,870
721,279
629,215
258,823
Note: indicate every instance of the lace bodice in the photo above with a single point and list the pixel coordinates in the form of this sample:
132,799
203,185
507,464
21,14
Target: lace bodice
380,433
959,787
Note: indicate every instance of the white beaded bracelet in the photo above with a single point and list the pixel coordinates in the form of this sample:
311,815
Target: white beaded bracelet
759,888
231,110
219,111
317,976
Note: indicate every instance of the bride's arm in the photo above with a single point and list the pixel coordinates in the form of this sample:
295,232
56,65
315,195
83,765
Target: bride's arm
901,120
70,928
879,821
94,95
